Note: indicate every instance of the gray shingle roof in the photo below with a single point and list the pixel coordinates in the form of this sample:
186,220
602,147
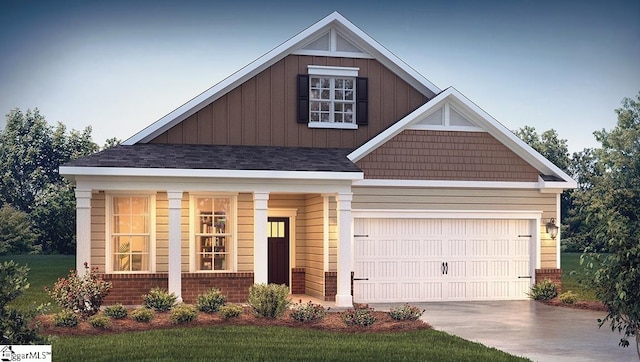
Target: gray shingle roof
221,158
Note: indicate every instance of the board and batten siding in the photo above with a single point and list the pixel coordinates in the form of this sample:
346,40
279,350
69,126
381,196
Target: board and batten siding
262,110
407,198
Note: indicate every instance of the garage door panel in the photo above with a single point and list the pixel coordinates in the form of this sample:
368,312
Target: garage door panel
441,259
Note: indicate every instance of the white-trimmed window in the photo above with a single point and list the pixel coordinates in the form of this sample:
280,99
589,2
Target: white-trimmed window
130,233
332,97
213,232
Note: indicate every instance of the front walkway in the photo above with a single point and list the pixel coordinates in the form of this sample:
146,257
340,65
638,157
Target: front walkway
529,329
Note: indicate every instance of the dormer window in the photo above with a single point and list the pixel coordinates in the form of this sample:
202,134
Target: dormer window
332,97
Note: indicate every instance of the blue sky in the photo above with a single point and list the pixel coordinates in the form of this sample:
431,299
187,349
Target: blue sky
121,65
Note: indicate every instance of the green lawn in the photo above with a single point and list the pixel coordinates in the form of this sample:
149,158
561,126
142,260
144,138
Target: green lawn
247,343
45,270
572,273
242,343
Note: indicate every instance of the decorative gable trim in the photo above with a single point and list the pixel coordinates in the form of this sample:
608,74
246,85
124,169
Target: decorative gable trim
447,118
481,119
344,28
333,44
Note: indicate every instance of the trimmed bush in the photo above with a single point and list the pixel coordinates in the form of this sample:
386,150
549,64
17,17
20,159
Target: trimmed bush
269,300
159,300
406,313
230,311
212,300
65,318
183,313
568,297
308,312
81,294
100,321
116,311
543,290
359,316
143,315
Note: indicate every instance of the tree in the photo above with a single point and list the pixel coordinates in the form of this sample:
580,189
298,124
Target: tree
547,144
31,151
612,206
16,235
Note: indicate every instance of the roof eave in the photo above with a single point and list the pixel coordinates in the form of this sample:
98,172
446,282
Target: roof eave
72,172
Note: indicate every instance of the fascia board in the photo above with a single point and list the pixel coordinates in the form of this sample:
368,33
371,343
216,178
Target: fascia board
357,36
199,173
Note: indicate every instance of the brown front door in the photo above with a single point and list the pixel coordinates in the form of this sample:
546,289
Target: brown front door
278,249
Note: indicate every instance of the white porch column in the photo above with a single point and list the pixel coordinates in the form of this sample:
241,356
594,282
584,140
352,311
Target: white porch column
83,229
175,241
260,250
343,296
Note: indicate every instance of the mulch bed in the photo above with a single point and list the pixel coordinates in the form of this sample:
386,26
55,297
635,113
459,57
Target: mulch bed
582,304
331,322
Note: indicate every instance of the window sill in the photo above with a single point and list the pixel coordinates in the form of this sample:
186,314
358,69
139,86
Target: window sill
333,125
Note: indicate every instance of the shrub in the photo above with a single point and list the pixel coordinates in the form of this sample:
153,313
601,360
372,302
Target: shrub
183,314
359,316
142,314
308,312
543,290
16,326
65,318
269,300
159,299
116,311
406,313
81,294
99,321
568,297
230,311
211,301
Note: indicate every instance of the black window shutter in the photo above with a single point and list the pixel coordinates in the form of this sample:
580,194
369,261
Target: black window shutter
362,101
303,98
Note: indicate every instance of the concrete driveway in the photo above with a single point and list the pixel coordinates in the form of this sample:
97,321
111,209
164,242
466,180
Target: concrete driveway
529,329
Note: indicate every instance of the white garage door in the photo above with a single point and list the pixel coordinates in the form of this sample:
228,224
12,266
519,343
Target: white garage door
403,260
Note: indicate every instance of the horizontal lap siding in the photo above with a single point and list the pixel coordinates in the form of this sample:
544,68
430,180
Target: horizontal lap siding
446,155
376,198
245,233
262,111
313,255
98,232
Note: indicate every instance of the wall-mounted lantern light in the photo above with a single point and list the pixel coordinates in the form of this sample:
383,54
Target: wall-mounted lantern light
552,228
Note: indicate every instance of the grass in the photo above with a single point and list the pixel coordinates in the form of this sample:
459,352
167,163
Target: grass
241,343
248,343
45,270
572,272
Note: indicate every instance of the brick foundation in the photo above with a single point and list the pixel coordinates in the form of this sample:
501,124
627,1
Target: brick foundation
330,286
297,281
129,288
555,275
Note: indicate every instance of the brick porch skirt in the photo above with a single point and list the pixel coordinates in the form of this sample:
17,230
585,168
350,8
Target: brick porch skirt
555,275
128,289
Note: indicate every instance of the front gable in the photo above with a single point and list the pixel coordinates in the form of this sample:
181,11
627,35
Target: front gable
446,155
333,41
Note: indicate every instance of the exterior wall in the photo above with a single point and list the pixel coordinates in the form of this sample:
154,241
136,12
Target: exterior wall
262,111
313,255
407,198
555,275
98,220
333,234
446,155
297,281
244,233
